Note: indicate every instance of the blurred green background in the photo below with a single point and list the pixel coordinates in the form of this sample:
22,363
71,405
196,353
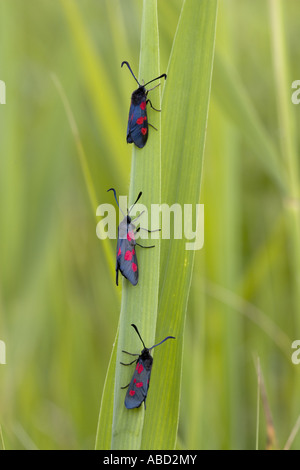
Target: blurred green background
59,305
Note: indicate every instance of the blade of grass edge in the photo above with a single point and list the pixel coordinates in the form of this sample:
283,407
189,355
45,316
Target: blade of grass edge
183,130
104,426
139,303
290,157
84,165
101,91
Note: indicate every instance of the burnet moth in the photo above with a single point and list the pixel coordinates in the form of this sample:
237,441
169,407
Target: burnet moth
139,384
137,129
127,262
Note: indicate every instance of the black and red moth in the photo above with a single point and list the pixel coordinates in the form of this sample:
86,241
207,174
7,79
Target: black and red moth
127,262
137,129
139,384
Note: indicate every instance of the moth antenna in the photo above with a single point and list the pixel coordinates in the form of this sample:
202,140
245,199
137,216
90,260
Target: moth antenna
168,337
157,78
135,327
139,196
112,189
125,62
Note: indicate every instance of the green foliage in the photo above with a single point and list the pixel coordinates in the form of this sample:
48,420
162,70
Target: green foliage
234,300
158,429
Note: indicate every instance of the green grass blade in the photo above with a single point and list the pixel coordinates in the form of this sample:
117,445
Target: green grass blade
289,155
1,439
239,107
84,165
288,141
100,88
139,304
184,119
104,428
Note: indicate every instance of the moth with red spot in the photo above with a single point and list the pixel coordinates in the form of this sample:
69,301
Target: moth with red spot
127,262
137,129
139,385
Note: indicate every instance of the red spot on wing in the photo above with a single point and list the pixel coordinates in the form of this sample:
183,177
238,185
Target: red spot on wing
130,235
139,368
119,252
144,130
128,255
134,380
134,267
131,393
133,251
140,120
143,105
139,384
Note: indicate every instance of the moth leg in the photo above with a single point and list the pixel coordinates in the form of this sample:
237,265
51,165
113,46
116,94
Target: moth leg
129,364
152,125
149,231
148,101
131,354
153,88
142,246
126,386
134,220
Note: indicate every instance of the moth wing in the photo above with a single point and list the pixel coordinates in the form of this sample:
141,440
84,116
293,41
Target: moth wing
137,129
119,248
130,119
138,387
127,260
